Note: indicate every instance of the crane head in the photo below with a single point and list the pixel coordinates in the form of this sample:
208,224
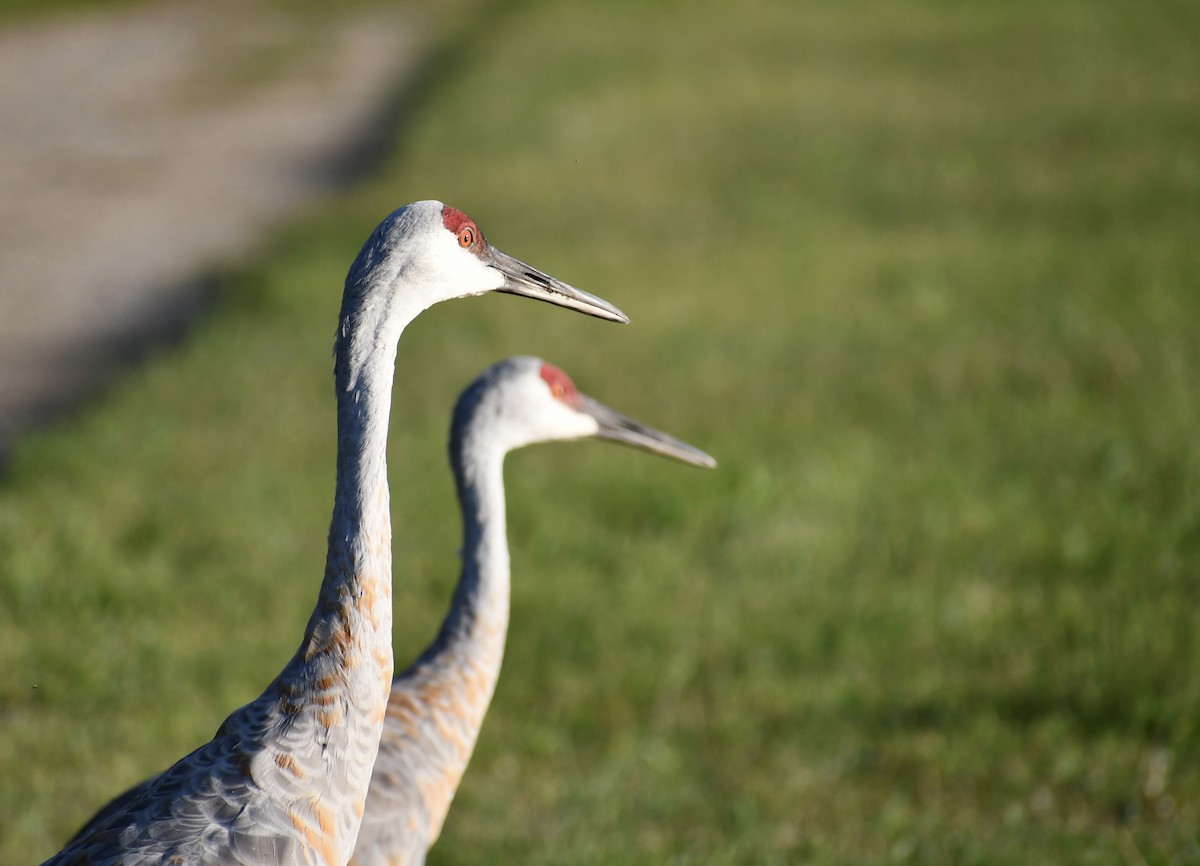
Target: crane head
524,400
435,252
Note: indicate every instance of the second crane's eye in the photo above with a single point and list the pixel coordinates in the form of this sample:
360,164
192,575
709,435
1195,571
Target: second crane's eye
557,390
466,237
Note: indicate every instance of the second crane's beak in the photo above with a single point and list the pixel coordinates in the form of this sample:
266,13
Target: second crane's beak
622,428
523,279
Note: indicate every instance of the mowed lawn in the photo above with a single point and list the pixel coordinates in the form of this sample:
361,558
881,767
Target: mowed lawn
923,276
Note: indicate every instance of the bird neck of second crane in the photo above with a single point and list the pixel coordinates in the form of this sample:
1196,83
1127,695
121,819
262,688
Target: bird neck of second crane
479,613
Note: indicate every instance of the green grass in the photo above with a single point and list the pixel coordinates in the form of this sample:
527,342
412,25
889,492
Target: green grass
26,10
12,11
922,275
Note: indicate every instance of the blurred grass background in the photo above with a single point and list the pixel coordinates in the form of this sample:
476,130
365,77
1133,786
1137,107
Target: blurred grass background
922,275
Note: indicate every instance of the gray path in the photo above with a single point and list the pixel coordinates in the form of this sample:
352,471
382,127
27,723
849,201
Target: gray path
140,146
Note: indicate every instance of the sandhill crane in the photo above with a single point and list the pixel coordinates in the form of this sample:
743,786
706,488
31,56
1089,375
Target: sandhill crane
285,778
437,705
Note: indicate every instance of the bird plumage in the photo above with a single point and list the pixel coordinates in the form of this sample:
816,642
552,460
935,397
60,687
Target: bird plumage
284,779
437,705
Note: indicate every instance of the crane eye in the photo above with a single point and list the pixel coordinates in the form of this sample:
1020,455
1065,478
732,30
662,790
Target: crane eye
466,237
557,390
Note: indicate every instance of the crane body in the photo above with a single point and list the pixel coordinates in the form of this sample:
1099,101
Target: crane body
284,779
437,705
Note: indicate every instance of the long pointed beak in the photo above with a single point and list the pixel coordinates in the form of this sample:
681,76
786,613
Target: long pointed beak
523,279
623,429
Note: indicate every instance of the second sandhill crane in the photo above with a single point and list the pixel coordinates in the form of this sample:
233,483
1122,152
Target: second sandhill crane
284,780
437,705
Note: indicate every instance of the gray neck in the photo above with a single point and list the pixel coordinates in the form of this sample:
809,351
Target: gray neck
477,622
332,695
360,529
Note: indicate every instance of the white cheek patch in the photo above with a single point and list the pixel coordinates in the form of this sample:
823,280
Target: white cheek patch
458,271
576,425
